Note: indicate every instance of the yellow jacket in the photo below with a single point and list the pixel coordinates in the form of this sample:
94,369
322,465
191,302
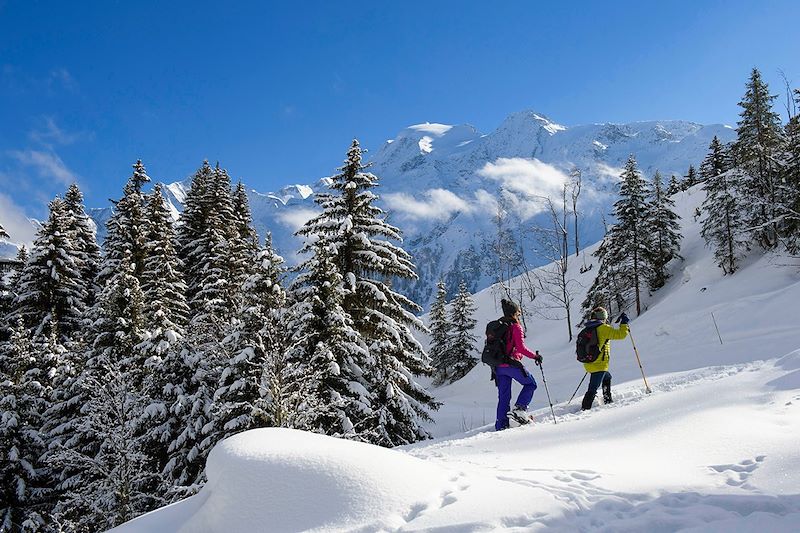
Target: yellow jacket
606,333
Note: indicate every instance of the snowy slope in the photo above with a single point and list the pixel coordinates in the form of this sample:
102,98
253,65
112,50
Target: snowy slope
442,184
713,448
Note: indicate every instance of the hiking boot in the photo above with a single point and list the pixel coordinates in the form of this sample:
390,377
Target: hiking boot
588,400
519,417
607,391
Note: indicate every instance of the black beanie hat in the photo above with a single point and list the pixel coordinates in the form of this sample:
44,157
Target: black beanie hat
509,307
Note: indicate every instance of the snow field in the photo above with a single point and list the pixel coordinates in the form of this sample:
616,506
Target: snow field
713,448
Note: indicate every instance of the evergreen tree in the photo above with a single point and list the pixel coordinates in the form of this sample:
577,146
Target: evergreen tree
690,179
440,329
82,230
674,186
629,241
790,185
461,355
163,290
3,233
358,234
125,236
24,483
664,231
50,290
244,243
723,227
756,149
330,353
105,468
240,399
204,238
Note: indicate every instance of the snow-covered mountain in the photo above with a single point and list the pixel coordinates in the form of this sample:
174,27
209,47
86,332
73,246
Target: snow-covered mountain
443,186
713,448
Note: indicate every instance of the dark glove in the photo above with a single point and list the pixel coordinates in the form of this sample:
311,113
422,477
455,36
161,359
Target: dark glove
538,358
623,319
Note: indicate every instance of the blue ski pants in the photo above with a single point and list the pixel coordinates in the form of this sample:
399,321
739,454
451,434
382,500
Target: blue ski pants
503,377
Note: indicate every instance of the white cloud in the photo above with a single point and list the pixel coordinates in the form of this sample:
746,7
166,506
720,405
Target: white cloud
527,176
607,171
438,204
46,164
294,219
13,219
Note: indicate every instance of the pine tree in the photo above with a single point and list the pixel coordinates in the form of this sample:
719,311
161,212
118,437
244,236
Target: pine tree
204,236
82,230
3,233
674,186
24,483
358,234
759,139
461,355
244,243
240,399
664,231
440,329
629,240
790,185
125,237
165,310
690,179
50,290
103,463
331,353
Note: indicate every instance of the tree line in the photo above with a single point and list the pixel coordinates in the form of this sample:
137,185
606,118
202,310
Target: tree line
752,199
120,370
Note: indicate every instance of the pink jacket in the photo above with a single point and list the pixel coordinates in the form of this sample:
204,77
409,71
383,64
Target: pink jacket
516,345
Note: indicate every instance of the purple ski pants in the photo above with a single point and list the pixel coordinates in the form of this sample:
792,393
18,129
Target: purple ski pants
503,377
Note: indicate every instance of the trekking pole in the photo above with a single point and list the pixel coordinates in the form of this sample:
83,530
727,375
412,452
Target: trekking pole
578,387
546,390
647,388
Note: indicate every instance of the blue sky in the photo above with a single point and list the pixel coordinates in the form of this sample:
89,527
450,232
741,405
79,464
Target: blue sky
275,91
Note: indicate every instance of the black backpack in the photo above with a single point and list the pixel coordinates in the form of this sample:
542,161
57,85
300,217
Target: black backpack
494,351
587,345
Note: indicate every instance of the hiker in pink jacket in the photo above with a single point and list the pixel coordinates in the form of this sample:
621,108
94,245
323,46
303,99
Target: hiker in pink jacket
505,373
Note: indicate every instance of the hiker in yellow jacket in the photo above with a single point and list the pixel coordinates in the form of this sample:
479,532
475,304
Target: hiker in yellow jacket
598,369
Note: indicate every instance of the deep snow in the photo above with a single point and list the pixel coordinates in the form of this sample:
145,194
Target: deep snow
713,448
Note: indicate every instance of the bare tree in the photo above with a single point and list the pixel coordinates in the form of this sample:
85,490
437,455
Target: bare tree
575,192
555,281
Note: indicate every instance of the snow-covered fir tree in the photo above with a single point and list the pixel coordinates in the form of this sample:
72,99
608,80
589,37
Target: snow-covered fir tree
357,233
665,233
82,231
204,235
461,355
756,152
790,184
3,233
723,226
691,178
24,476
440,329
125,235
111,405
624,265
118,476
330,354
163,290
51,292
674,186
244,241
240,401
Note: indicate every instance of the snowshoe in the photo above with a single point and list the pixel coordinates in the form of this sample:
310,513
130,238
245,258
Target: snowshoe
519,417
